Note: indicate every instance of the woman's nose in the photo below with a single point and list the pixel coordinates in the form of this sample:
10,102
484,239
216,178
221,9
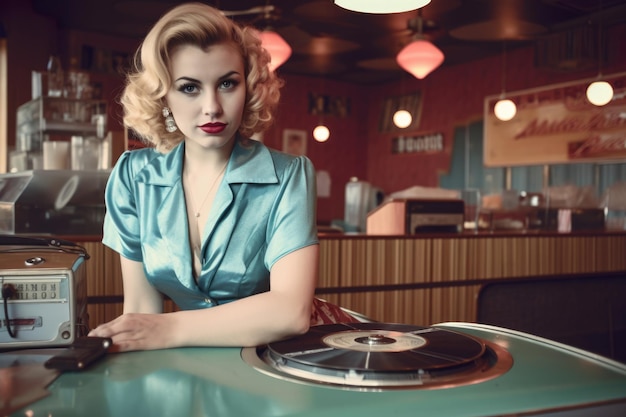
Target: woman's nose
211,105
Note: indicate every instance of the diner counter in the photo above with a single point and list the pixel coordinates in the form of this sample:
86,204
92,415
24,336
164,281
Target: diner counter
546,379
417,279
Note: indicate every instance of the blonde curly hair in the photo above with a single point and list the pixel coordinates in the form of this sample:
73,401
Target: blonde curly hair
201,25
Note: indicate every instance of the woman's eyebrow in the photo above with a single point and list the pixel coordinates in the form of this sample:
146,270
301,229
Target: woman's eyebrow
193,80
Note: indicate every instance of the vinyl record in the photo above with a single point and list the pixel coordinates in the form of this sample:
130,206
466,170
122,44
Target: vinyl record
377,347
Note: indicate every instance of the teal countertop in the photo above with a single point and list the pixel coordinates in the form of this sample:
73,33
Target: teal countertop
217,382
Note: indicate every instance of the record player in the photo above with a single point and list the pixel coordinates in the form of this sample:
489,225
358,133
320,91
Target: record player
379,356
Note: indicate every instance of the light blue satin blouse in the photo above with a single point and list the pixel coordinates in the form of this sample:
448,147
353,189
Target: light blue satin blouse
263,210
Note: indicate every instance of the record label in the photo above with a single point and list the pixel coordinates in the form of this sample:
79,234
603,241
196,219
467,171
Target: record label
374,341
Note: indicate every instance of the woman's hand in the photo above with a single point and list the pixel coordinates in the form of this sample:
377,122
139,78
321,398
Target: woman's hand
135,331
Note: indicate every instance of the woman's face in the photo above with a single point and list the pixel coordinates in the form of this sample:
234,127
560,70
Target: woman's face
208,93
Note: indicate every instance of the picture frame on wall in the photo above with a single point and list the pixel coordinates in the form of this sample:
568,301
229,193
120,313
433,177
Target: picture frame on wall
294,141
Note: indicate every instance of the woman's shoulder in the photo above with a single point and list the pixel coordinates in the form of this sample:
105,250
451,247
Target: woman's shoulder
286,161
254,161
132,162
141,155
258,152
283,159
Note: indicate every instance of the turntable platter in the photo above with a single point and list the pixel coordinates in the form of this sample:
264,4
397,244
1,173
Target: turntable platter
379,355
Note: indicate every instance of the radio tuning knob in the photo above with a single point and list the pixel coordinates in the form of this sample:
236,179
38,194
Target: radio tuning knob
36,260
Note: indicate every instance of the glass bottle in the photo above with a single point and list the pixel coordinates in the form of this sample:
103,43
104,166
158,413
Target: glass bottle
55,77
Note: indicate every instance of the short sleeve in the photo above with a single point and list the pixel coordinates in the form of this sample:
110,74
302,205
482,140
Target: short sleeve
121,223
292,223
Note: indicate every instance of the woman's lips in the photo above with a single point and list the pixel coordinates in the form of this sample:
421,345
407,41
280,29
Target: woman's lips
213,127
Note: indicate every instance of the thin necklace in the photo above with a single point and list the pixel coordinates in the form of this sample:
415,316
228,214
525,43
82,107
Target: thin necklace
197,212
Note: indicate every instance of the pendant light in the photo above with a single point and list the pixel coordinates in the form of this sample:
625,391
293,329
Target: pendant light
274,44
404,107
420,57
600,93
321,133
381,7
505,109
402,119
271,41
278,48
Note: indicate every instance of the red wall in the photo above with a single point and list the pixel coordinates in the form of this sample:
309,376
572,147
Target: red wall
452,96
344,154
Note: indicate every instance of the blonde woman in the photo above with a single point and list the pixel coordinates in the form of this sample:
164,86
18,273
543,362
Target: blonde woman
219,223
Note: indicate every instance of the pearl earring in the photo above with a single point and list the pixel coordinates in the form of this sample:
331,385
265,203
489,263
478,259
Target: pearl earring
170,123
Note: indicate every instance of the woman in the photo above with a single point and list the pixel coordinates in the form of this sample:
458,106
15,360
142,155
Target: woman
219,223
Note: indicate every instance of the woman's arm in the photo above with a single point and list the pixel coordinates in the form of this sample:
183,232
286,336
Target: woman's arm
283,311
139,295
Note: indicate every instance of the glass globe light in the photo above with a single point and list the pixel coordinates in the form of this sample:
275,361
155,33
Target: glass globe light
402,119
599,93
321,133
505,110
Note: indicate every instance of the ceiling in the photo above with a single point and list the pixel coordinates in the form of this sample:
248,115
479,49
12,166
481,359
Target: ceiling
360,48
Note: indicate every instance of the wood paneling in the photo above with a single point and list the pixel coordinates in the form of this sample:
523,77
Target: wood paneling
434,279
104,278
411,279
104,284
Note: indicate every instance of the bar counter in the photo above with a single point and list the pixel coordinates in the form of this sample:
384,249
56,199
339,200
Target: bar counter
419,279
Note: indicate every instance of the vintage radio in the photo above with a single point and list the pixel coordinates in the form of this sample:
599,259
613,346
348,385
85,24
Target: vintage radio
44,292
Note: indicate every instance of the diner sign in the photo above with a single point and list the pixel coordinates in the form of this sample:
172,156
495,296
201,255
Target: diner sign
420,143
557,124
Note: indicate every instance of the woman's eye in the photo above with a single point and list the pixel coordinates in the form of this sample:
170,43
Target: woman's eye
228,84
188,88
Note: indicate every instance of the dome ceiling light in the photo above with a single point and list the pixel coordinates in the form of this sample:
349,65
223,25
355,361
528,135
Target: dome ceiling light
381,7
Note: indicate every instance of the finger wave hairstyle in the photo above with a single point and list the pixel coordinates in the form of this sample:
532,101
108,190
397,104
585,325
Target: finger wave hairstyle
201,25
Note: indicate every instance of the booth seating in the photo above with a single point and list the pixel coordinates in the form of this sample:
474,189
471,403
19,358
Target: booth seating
586,311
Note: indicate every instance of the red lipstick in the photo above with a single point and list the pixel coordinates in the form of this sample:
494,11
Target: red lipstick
213,127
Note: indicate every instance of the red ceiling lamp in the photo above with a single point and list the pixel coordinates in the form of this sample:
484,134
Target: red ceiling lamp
420,57
278,48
